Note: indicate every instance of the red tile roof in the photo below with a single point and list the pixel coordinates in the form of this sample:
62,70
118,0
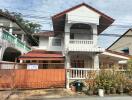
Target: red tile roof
41,55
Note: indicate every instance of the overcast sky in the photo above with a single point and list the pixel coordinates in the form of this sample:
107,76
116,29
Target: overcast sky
40,11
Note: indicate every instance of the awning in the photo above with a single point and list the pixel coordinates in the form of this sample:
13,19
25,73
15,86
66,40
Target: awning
41,59
42,55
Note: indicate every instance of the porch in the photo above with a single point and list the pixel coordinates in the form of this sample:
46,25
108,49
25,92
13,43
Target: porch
81,66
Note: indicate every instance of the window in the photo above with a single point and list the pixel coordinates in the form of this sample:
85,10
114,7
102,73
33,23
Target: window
56,42
71,36
77,63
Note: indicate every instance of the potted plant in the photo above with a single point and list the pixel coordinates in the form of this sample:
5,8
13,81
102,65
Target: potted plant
100,85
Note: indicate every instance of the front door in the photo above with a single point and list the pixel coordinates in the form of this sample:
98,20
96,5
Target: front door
77,63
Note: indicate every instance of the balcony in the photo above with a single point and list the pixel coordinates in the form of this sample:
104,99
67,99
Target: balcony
83,45
15,41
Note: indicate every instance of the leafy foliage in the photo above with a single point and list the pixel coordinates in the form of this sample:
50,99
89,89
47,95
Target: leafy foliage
30,26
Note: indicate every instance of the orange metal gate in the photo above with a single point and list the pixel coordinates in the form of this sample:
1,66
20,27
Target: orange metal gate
41,78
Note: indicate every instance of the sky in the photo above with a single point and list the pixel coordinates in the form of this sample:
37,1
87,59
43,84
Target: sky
40,11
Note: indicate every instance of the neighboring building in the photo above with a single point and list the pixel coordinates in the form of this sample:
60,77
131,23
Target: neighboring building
112,59
123,44
75,37
13,38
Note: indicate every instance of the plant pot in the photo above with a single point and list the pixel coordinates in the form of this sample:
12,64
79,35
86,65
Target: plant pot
101,92
95,91
73,88
90,92
107,91
120,90
113,90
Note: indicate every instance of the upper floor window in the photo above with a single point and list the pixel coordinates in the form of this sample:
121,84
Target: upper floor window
56,42
81,31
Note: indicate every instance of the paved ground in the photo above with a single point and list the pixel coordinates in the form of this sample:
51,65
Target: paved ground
55,94
84,98
4,95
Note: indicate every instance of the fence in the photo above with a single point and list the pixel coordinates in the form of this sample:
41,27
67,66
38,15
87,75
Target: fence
31,78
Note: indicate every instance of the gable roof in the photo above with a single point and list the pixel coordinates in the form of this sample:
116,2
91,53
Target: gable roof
119,38
61,16
77,6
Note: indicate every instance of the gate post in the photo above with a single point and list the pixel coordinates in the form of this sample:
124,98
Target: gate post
67,79
67,64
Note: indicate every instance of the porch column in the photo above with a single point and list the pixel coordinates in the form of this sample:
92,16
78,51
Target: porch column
67,35
96,61
22,38
95,37
67,65
11,26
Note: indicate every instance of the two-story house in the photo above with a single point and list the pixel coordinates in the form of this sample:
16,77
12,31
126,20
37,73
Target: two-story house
74,41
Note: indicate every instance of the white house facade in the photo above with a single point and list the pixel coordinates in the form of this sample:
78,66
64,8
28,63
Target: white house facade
73,44
13,39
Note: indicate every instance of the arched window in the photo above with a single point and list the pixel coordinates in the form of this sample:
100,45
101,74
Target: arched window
81,31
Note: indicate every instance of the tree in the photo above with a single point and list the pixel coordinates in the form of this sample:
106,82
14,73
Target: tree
30,26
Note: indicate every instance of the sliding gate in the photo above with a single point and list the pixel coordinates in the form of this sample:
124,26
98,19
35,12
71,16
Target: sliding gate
23,78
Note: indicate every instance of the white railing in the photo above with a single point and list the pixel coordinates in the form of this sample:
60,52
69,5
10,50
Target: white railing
82,73
82,42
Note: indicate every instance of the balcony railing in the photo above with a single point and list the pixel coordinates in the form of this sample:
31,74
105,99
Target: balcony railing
81,42
82,73
14,40
83,45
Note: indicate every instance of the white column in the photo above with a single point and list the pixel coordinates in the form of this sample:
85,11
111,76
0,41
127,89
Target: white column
67,61
95,37
67,65
67,35
1,53
21,61
11,28
1,29
22,38
1,33
96,61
